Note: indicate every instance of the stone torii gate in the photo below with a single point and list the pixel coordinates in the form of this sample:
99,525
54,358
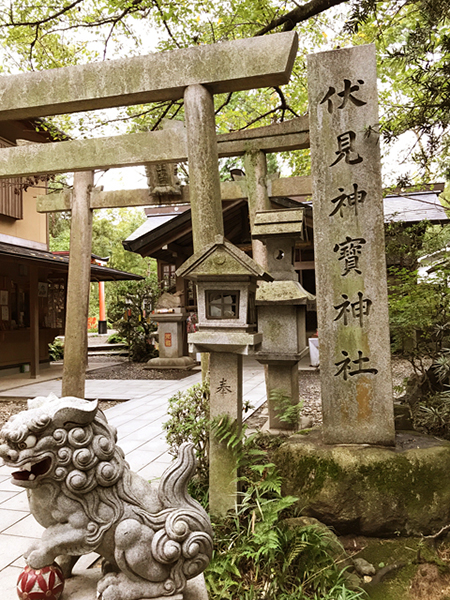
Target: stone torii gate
194,74
256,187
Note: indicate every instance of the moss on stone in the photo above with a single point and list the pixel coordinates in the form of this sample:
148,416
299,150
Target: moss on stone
369,490
384,552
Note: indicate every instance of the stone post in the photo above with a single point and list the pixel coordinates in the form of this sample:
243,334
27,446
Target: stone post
204,181
207,222
79,278
226,400
357,399
258,198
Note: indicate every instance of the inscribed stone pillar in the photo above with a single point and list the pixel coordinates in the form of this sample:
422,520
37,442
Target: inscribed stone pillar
77,309
226,399
357,399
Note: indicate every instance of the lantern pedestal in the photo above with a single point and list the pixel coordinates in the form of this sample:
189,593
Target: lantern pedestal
171,335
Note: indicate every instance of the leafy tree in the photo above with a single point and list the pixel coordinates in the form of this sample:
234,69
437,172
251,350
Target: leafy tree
411,35
129,311
419,308
413,44
38,36
110,227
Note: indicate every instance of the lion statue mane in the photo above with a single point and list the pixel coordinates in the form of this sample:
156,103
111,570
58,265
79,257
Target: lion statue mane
81,489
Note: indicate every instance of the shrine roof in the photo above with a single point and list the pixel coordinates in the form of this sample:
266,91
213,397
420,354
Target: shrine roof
60,262
412,207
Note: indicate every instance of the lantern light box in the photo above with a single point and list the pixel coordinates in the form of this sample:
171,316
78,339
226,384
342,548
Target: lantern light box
226,289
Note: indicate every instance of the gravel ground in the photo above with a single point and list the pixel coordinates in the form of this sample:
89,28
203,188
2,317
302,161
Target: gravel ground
309,387
309,391
129,370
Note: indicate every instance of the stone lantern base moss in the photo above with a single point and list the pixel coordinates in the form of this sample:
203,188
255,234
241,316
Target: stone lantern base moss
370,490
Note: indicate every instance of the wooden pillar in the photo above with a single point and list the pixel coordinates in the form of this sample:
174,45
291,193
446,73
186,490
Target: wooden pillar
258,198
34,322
102,324
77,308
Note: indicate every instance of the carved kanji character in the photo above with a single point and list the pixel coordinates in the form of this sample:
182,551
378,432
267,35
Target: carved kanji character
349,252
345,149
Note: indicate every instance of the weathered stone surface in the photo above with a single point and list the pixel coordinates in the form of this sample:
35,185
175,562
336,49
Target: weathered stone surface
352,309
224,341
370,490
255,164
291,186
81,489
221,259
226,67
204,182
363,567
96,153
282,292
278,223
282,377
226,400
83,586
78,286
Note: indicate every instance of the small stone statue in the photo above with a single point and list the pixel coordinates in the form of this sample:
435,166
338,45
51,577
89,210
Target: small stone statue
81,489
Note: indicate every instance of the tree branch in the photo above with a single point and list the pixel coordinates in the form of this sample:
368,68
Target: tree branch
41,21
229,96
156,3
299,14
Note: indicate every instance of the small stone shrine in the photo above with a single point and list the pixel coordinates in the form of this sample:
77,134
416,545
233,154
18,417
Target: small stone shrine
352,306
281,306
162,180
226,292
171,319
153,540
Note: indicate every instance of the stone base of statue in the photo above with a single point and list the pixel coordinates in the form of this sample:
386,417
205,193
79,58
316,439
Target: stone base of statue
83,586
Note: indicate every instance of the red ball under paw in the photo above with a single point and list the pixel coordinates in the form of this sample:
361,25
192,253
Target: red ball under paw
40,584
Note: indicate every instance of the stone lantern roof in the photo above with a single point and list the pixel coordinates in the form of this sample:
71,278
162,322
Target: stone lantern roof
279,223
221,261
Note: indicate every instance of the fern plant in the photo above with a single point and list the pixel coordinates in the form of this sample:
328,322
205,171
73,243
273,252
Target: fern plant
286,411
256,556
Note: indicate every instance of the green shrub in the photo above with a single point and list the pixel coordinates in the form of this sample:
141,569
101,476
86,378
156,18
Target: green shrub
56,349
130,312
188,414
116,338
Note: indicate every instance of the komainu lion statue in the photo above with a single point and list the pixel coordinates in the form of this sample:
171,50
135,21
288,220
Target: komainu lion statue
82,491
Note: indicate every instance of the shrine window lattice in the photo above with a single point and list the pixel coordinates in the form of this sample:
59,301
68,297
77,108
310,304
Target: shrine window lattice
11,195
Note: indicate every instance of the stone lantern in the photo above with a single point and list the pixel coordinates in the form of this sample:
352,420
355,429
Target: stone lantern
226,296
281,306
226,291
170,317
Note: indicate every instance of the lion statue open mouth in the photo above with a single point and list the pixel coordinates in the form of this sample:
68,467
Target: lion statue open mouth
80,488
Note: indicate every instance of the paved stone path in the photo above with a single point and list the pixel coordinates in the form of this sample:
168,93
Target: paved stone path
139,423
